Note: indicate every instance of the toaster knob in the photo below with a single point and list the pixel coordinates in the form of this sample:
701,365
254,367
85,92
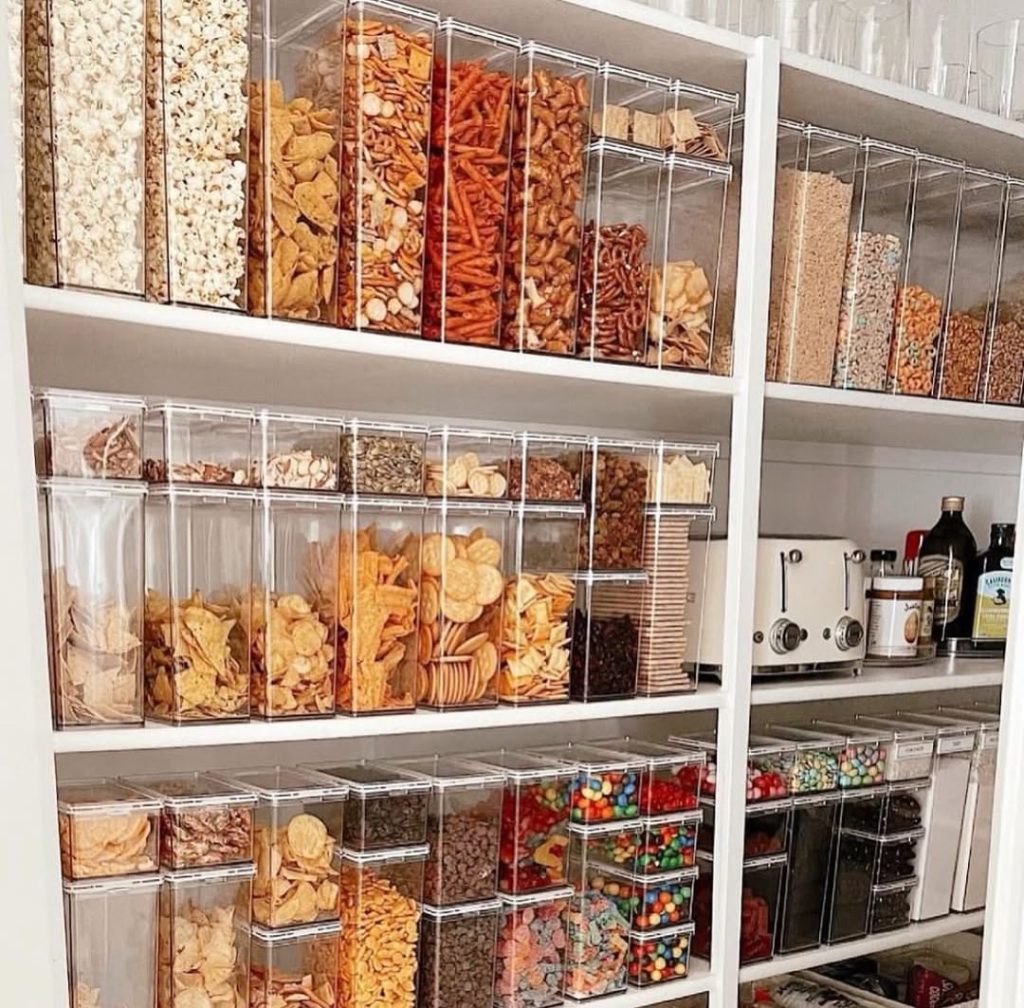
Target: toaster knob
785,636
849,633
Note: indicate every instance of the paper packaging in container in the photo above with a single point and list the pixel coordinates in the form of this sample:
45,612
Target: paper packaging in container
204,821
204,935
891,906
291,622
196,443
877,244
296,451
766,827
382,458
111,933
299,965
530,964
197,111
553,467
385,108
669,778
299,815
1002,376
621,217
923,293
631,106
816,759
539,605
106,828
470,147
464,560
93,590
378,556
864,762
294,135
684,282
198,585
813,198
657,956
605,785
973,287
457,952
87,434
463,824
543,229
911,750
463,462
606,635
381,893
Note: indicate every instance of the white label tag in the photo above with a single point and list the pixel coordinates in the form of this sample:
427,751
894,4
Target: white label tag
911,750
954,745
990,741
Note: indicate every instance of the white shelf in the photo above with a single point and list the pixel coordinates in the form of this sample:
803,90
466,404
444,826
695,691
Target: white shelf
936,676
699,981
169,350
840,416
863,946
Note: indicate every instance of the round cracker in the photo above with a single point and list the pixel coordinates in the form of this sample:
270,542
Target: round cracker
485,663
485,550
497,485
480,483
425,643
460,579
460,612
430,601
437,551
458,473
489,585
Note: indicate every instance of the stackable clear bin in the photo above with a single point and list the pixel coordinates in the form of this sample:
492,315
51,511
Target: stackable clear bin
924,287
106,828
198,585
649,901
111,934
864,762
294,109
1002,377
667,841
378,555
463,827
553,467
296,451
204,822
667,782
911,750
87,434
547,538
657,956
905,805
879,231
893,856
94,592
530,964
470,149
813,199
204,935
852,878
458,945
292,623
467,462
704,778
605,785
684,282
700,122
382,458
772,768
861,811
385,106
630,106
301,962
193,443
682,473
534,840
606,636
596,846
464,561
972,289
816,759
622,216
891,906
381,894
299,815
725,307
766,827
543,228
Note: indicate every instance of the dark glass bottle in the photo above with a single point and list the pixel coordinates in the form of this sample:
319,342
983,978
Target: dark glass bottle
949,554
994,584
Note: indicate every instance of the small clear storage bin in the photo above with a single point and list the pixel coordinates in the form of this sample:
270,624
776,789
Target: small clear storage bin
864,761
891,906
191,443
382,458
204,935
88,434
911,752
458,946
905,805
766,829
667,782
300,962
771,768
106,828
649,901
657,956
463,828
852,877
862,811
682,473
606,636
198,585
815,761
94,593
296,451
704,778
725,308
204,822
463,462
1002,378
381,895
630,106
668,841
605,785
552,464
893,856
530,964
700,122
299,815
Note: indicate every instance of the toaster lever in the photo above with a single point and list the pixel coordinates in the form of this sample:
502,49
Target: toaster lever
794,556
857,557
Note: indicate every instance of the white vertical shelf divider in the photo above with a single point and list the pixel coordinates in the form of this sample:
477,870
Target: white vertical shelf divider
749,342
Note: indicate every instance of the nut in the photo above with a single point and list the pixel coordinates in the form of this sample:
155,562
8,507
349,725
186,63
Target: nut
1005,357
547,479
616,512
381,464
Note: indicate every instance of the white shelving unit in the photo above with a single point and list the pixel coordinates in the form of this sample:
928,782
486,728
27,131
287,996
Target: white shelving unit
797,459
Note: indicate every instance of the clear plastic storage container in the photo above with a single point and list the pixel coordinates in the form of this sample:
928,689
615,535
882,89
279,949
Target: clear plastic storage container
204,822
852,880
94,593
606,636
706,776
767,827
891,906
294,135
87,434
657,956
553,467
893,856
192,443
816,758
382,458
381,893
911,750
682,473
668,781
905,805
198,585
648,901
299,815
299,964
864,762
1002,377
296,451
605,785
291,623
725,307
378,555
464,560
543,228
458,946
106,828
470,148
774,768
699,122
467,462
630,106
667,841
530,964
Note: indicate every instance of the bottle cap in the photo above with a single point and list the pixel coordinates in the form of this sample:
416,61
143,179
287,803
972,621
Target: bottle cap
912,544
952,503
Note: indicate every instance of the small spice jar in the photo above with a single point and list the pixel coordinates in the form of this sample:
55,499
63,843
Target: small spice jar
894,623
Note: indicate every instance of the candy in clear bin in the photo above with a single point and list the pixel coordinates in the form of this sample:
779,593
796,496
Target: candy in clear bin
530,966
457,953
605,786
657,956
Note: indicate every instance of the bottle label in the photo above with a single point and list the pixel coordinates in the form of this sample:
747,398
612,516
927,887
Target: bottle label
949,586
1006,563
893,628
992,607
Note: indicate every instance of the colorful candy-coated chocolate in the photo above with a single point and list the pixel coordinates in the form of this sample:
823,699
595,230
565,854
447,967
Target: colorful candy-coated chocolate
862,766
813,770
648,906
654,960
609,795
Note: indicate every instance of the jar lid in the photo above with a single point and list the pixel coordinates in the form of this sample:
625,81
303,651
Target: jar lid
897,584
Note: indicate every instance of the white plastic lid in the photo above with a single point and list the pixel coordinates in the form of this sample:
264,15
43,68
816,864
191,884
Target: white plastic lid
652,753
591,759
898,584
277,784
122,884
190,790
105,796
364,779
287,936
463,910
446,773
521,767
516,902
203,876
395,855
663,933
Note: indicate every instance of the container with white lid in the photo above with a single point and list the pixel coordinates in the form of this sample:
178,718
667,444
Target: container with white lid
894,620
530,964
456,958
658,956
301,960
865,760
665,784
911,750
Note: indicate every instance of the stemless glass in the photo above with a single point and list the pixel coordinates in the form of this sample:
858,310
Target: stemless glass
999,58
875,38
